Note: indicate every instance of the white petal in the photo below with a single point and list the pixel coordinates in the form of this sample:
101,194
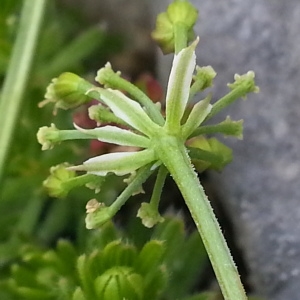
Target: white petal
196,117
120,163
116,135
179,85
128,110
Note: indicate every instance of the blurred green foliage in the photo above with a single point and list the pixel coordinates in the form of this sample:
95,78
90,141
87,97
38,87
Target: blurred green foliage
114,264
67,42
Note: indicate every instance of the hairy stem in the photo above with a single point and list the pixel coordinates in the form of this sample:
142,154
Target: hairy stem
174,156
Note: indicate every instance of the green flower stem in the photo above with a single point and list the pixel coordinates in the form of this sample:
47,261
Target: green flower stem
159,184
18,72
233,128
195,88
174,156
72,134
200,154
80,181
228,99
140,177
180,36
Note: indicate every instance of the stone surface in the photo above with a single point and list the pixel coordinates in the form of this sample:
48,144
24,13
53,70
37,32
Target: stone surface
260,189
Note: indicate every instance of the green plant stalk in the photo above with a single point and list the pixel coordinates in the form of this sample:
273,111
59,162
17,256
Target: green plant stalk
230,129
136,184
18,72
174,156
180,36
159,184
226,100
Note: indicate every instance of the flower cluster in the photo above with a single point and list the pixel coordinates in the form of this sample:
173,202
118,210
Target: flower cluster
147,130
169,141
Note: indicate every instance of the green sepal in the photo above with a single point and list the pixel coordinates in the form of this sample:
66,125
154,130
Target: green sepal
150,257
78,294
119,283
117,253
86,277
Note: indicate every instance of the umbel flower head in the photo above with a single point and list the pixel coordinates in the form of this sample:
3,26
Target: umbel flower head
152,135
159,140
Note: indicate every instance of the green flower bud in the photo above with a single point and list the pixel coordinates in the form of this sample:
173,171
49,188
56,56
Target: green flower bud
244,82
102,114
57,183
182,12
119,283
106,76
48,136
67,91
179,13
204,77
149,215
97,214
163,33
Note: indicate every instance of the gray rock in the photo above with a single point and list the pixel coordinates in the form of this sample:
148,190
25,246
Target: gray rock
260,189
